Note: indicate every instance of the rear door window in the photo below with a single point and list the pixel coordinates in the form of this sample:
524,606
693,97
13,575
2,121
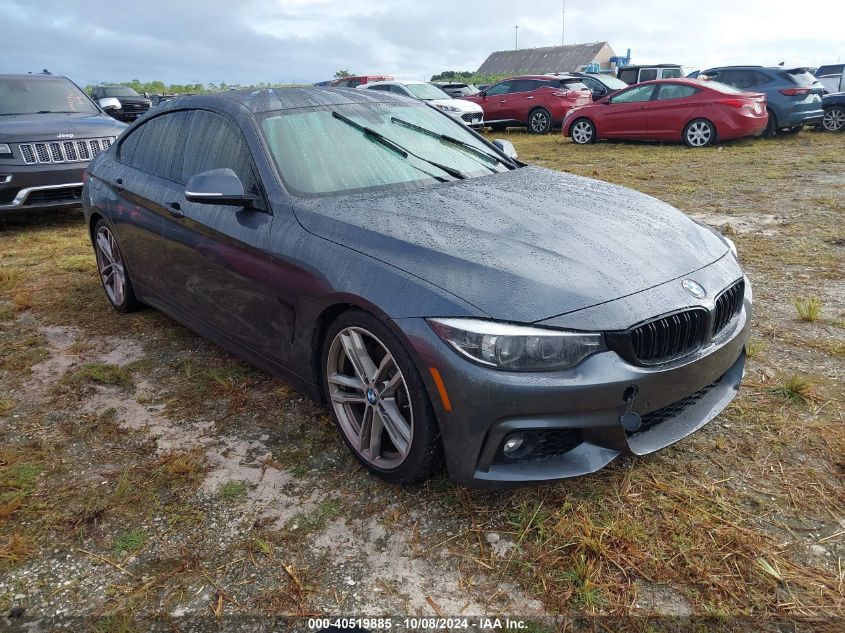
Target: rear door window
647,74
675,91
671,73
830,70
524,85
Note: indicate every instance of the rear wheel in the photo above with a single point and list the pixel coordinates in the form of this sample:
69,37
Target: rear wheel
583,131
540,121
699,133
378,399
771,126
112,268
834,119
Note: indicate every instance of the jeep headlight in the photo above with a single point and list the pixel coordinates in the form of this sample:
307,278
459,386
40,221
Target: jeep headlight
517,347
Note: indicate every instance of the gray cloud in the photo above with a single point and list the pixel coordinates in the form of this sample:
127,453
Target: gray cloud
199,41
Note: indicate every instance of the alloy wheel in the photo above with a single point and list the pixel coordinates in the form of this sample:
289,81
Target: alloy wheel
582,132
699,133
834,119
110,265
370,398
539,122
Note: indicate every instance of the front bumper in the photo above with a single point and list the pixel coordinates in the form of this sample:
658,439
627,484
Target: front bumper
588,402
39,187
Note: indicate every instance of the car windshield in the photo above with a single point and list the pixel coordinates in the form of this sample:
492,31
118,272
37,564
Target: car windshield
426,92
120,91
318,154
611,82
34,96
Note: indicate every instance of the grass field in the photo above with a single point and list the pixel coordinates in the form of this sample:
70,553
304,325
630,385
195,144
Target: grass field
146,473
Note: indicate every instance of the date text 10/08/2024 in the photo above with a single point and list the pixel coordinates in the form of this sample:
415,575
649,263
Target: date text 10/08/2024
417,624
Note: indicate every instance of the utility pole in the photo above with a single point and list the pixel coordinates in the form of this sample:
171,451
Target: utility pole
563,23
516,37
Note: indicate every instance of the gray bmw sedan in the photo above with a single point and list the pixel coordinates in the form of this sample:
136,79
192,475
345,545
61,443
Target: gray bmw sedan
448,302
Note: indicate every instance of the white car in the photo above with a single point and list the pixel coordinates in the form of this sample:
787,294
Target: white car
832,77
464,111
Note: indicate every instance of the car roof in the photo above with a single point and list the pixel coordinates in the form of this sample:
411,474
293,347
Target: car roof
638,66
543,77
35,76
274,99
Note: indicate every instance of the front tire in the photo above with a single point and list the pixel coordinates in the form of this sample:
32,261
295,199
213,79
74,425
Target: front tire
499,127
583,132
699,133
834,119
112,268
540,121
379,402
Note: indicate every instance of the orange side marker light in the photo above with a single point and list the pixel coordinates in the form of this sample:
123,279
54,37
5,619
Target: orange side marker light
438,381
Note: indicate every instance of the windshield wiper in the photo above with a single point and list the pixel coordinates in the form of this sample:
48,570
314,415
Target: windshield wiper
453,141
399,149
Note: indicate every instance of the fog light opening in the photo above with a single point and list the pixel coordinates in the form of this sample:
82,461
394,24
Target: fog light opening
513,444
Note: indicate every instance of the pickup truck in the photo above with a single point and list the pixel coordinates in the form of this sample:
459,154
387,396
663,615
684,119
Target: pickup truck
132,105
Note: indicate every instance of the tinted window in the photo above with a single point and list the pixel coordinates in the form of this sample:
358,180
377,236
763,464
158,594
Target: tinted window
30,96
383,87
634,95
501,88
610,82
573,84
157,146
742,78
675,91
212,142
524,85
120,91
398,90
671,73
594,85
833,69
647,74
628,76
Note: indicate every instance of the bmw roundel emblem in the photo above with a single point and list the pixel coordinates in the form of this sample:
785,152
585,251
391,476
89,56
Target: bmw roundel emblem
694,288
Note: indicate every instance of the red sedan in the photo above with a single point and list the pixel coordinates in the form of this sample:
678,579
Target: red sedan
689,110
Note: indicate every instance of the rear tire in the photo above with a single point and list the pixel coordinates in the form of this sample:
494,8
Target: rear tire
699,133
583,131
539,121
369,379
771,126
114,275
834,119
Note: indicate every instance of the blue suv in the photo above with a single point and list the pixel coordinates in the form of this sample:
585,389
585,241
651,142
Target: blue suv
793,96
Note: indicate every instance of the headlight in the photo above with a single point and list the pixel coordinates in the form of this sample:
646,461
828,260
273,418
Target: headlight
5,150
448,108
517,347
731,246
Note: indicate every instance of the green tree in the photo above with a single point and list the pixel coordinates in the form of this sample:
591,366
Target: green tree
342,74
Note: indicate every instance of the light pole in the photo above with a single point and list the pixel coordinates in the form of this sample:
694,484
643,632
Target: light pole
563,23
516,37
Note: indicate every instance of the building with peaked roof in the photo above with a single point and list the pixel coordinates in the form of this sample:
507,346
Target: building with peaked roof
548,59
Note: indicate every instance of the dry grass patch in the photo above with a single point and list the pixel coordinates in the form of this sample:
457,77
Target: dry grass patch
809,309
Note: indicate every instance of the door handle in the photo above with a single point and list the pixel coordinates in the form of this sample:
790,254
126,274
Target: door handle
503,101
118,185
529,97
175,209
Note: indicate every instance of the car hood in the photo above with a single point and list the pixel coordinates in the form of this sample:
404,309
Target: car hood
524,245
47,127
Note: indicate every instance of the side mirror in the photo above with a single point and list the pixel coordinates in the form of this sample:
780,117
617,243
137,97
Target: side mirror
110,104
506,147
217,186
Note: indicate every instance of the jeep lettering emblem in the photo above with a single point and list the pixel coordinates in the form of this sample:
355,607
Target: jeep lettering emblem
694,288
64,135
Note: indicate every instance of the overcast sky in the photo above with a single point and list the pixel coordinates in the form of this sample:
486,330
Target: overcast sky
202,41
